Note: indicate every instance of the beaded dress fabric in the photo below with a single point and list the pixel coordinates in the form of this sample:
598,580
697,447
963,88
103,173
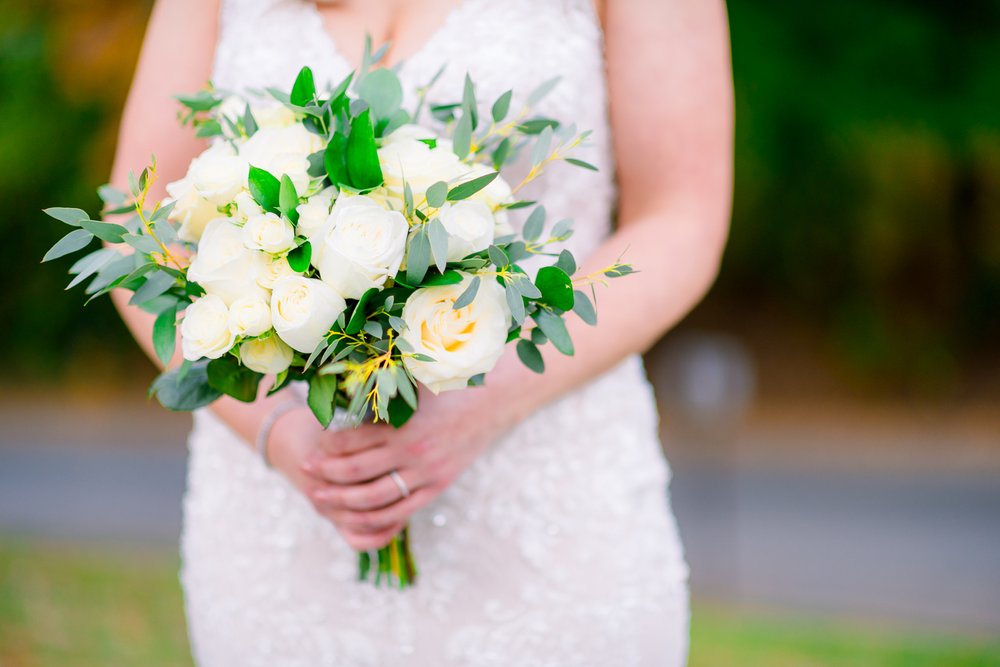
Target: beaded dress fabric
558,546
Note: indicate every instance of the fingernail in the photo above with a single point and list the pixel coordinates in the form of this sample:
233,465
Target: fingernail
309,465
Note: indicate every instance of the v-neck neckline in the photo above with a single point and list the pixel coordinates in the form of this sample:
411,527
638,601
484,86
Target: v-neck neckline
436,35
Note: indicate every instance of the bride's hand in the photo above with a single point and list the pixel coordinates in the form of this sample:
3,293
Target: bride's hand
352,482
297,437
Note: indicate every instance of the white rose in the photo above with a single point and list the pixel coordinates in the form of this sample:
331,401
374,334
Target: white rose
470,227
246,207
269,233
191,210
493,195
275,115
224,266
274,270
463,342
205,329
303,310
360,246
314,213
218,174
283,150
249,316
233,108
269,356
409,132
417,164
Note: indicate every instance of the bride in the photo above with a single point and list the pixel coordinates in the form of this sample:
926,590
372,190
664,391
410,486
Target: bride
538,505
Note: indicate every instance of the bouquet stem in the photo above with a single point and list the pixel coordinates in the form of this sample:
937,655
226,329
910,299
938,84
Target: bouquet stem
393,562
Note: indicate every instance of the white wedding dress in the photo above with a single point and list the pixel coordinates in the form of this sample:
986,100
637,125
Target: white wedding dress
558,546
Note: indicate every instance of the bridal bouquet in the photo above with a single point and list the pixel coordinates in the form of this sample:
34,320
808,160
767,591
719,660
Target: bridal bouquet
326,238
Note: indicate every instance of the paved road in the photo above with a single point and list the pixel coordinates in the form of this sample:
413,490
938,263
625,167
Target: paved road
922,550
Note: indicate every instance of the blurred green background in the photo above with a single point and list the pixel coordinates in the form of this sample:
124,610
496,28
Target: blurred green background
867,197
863,270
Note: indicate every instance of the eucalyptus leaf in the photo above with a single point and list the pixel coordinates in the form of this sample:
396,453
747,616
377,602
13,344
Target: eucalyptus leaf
554,328
469,106
539,93
383,92
540,151
469,295
106,231
185,388
502,106
71,216
581,163
357,321
498,256
501,153
75,240
418,258
516,304
584,308
469,188
529,355
534,225
436,194
155,285
91,264
438,237
566,262
461,139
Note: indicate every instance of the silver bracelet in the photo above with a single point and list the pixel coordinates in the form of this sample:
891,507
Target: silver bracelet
266,426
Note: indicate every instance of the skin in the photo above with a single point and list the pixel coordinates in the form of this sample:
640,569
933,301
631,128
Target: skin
674,206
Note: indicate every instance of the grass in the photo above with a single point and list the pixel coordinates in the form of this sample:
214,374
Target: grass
62,605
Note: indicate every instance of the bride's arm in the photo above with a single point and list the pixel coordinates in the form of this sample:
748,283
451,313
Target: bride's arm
671,106
177,57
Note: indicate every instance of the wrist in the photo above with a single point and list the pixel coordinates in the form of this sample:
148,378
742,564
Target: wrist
286,422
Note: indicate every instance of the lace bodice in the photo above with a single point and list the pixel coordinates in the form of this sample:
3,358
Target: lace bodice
557,547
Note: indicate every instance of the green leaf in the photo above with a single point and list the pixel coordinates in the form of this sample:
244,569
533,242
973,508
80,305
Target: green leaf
383,92
165,335
249,122
227,375
581,163
502,106
538,94
501,153
516,304
106,231
436,194
584,308
208,128
469,188
554,328
537,337
335,159
540,150
567,262
304,88
264,188
299,258
200,101
155,285
322,397
468,296
185,388
534,225
400,411
110,195
469,107
75,240
461,139
536,125
357,321
529,355
405,386
556,287
498,256
90,264
418,258
71,216
288,199
527,288
438,237
449,277
362,154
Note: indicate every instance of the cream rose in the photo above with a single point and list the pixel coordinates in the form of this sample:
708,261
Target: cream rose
269,356
493,195
360,246
270,233
283,150
470,227
218,174
249,316
315,212
273,115
303,310
274,270
463,342
224,266
205,329
191,210
414,162
246,207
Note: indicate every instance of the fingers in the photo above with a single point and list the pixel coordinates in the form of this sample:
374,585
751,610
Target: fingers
372,495
374,522
353,440
371,541
356,468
